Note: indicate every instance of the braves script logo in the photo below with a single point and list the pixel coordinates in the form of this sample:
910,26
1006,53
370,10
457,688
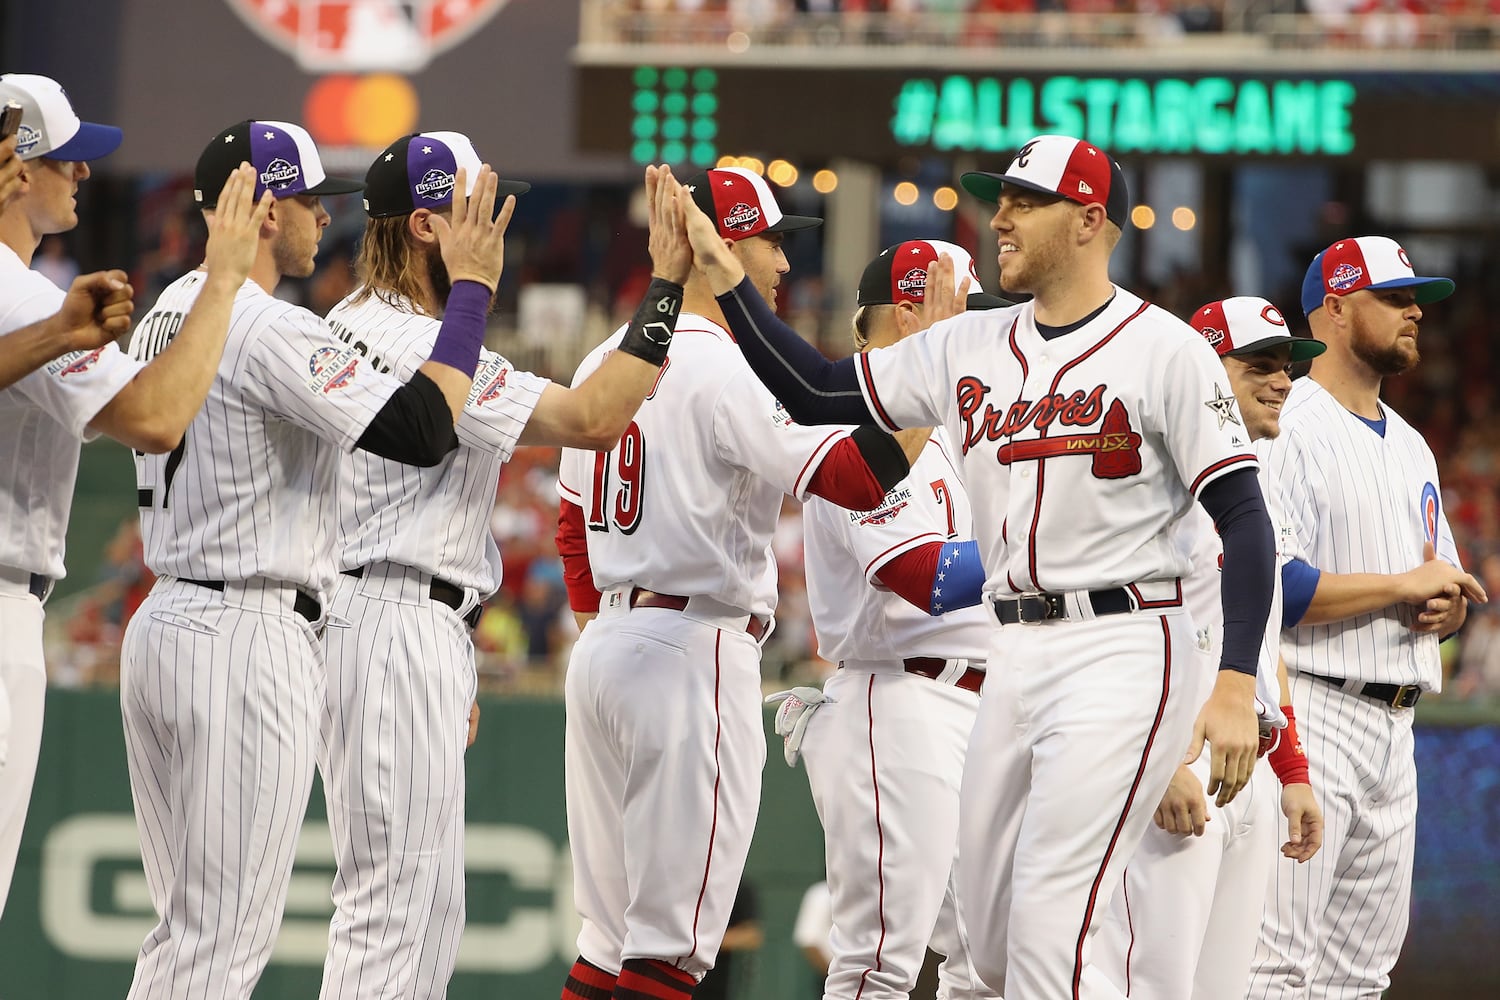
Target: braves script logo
331,368
742,217
330,35
1345,277
75,363
1115,447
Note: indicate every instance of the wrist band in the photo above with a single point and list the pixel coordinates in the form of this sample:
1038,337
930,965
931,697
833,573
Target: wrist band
462,333
1288,759
650,331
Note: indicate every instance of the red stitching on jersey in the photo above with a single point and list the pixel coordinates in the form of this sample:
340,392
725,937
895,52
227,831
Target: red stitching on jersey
1015,349
869,381
879,840
713,827
1215,468
1144,605
1130,924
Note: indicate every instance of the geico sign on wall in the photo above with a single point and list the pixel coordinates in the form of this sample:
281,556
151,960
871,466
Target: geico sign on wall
94,902
327,36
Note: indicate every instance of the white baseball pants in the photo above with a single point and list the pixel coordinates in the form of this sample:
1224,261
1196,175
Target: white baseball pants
23,700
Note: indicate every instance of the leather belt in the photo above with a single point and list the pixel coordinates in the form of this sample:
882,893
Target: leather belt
1031,609
756,627
972,678
1394,695
303,604
443,592
39,586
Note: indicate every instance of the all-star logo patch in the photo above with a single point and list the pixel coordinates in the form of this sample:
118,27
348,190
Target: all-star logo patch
1214,337
897,500
331,368
75,363
1223,407
435,185
489,381
1345,277
742,217
280,174
26,139
913,283
780,417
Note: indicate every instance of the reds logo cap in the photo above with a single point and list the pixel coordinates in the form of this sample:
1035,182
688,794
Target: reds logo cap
1366,262
899,274
1246,324
285,159
742,205
1063,166
418,171
49,127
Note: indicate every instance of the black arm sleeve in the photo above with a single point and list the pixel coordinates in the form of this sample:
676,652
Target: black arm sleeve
882,454
414,427
813,389
1239,512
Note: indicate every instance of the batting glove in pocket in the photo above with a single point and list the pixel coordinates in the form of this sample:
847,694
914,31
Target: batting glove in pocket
797,706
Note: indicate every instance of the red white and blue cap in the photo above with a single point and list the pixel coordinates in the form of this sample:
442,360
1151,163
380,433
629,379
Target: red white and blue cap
1246,324
899,274
1064,166
1360,262
49,126
741,204
419,171
285,158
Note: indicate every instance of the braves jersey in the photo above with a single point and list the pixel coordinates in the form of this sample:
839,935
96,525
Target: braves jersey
854,616
1359,502
1093,444
249,490
42,419
435,520
687,502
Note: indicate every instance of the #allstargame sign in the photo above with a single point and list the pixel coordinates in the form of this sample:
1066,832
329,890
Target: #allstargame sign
350,35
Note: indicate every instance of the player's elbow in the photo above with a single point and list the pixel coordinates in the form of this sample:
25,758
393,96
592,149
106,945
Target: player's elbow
149,436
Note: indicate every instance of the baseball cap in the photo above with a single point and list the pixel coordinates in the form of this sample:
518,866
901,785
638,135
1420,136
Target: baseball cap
418,171
741,204
1064,166
1246,324
1366,262
49,126
899,274
285,159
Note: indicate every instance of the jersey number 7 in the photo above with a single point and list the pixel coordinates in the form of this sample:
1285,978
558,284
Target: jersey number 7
629,463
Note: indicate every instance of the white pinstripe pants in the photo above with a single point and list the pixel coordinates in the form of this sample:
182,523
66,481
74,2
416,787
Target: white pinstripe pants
23,698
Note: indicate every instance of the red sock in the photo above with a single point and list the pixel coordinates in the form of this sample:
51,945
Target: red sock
649,979
587,981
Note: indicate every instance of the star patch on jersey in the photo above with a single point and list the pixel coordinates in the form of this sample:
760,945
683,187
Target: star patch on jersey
1223,407
332,368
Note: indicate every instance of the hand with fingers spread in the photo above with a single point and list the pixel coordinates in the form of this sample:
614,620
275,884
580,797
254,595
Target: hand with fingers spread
947,292
473,242
1229,724
234,228
711,253
671,253
10,172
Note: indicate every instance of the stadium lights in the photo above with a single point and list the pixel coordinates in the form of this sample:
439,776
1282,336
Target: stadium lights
945,198
824,181
1143,217
1184,218
905,193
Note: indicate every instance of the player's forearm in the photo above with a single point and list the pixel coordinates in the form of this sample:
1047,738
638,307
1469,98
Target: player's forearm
455,354
25,350
937,577
1348,595
593,415
1239,511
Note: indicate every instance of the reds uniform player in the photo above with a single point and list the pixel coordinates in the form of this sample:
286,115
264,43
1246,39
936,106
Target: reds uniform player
894,594
77,396
417,557
1185,923
1087,423
1378,583
221,667
664,745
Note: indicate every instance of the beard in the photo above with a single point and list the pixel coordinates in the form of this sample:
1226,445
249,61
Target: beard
437,275
1043,258
1384,360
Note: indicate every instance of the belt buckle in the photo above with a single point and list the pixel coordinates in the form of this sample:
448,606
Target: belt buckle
1033,609
1406,696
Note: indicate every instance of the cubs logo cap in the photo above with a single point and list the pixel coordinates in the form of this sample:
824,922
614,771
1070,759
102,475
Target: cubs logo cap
1063,166
418,171
741,204
49,126
1246,324
1366,262
285,159
899,274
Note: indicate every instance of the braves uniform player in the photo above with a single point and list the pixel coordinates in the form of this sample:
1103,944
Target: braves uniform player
670,532
416,558
1087,422
221,669
1378,583
77,396
1184,924
885,751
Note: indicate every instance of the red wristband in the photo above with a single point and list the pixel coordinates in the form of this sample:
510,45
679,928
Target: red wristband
1288,759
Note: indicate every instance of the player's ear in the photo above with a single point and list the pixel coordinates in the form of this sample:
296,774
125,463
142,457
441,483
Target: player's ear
1091,223
908,319
419,226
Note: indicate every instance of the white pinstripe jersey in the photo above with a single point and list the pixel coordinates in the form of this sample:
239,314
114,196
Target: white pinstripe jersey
249,491
687,502
1359,503
437,519
854,616
1080,453
43,417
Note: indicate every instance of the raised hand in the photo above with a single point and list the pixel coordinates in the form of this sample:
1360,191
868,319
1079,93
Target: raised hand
711,255
96,310
671,253
10,172
234,227
473,244
947,293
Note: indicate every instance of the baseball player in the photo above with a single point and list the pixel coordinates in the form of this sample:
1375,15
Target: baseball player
417,558
1087,422
95,312
667,536
76,396
1377,583
894,594
221,674
1185,923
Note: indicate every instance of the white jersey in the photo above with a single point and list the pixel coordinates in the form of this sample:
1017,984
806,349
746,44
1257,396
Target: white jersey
854,616
437,519
43,417
1359,502
687,502
249,491
1093,444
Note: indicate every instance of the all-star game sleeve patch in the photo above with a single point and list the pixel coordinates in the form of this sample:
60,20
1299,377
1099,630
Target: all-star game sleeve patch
330,369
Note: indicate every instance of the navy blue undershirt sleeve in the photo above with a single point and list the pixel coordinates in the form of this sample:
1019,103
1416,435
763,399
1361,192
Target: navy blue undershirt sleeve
414,427
813,389
1299,581
1235,503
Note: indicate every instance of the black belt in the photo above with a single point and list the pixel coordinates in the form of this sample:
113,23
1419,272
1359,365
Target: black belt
441,591
38,585
303,604
639,598
1394,695
972,679
1029,609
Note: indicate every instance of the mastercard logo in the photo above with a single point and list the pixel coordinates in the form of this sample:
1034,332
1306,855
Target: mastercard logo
371,111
